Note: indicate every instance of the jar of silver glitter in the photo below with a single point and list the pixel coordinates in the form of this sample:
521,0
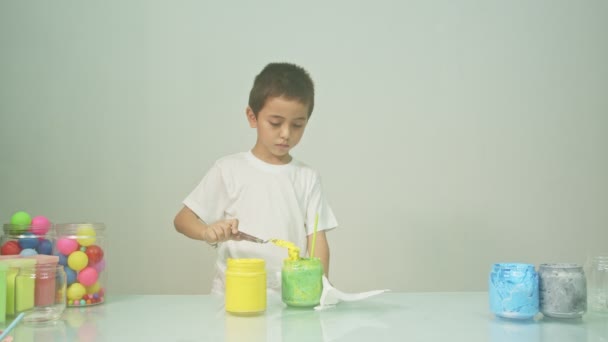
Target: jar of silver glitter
563,290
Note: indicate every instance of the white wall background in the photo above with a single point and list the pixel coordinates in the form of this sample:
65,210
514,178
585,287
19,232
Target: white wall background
450,134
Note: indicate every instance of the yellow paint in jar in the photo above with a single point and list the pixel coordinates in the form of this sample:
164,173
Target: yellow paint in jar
293,251
245,286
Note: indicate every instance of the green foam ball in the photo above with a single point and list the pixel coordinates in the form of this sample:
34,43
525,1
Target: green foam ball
21,218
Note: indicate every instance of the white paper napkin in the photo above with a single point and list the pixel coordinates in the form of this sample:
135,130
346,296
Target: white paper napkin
332,296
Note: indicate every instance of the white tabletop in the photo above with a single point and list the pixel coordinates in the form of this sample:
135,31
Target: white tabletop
388,317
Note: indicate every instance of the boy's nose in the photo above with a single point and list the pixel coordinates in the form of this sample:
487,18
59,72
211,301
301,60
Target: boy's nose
285,132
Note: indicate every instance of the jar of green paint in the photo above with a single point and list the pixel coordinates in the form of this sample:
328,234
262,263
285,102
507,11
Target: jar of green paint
302,282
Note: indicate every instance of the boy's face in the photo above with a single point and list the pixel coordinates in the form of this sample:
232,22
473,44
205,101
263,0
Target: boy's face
280,125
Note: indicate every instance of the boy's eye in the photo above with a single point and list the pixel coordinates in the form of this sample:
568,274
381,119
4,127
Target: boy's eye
275,124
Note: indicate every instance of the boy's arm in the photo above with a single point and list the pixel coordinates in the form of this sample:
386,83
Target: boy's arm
187,223
321,250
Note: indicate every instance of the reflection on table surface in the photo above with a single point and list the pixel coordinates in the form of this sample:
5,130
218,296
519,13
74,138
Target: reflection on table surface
461,316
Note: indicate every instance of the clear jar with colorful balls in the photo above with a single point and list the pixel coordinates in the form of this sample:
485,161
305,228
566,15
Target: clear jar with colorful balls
82,252
26,235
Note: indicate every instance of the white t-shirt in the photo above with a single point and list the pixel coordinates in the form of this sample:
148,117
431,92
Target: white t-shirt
270,201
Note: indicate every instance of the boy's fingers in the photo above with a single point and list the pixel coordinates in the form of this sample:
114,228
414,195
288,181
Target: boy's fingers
211,236
220,232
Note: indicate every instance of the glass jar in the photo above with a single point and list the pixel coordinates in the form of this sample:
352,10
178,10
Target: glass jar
563,290
82,252
3,272
25,240
245,286
40,292
598,283
302,282
513,290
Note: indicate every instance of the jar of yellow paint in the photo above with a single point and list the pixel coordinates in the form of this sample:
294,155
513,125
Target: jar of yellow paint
245,286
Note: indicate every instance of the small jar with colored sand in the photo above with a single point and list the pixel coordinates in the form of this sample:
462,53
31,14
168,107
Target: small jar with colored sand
302,282
82,252
245,286
39,291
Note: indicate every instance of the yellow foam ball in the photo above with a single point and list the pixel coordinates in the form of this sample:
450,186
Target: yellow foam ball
78,260
76,291
86,235
93,288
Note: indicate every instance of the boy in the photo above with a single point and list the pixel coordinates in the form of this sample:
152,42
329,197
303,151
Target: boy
263,192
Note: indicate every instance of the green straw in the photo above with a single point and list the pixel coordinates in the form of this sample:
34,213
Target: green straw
314,237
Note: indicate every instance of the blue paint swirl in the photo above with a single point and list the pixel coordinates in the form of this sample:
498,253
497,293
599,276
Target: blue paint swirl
513,290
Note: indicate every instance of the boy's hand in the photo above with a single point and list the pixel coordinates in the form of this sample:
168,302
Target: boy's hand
221,231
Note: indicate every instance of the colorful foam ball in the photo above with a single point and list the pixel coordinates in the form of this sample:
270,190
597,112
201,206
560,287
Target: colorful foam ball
76,291
78,260
93,289
28,252
88,276
63,260
45,247
86,235
10,248
95,254
21,221
70,275
66,246
40,225
28,240
21,218
100,266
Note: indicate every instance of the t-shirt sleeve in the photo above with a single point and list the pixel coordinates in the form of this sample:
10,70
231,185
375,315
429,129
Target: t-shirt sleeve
318,205
210,198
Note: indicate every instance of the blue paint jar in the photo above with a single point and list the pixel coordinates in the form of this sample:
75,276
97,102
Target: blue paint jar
513,290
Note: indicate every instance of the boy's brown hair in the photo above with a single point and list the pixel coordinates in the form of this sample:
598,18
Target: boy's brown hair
282,79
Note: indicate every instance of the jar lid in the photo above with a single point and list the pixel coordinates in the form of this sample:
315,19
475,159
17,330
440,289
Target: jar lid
42,259
564,265
252,264
20,262
18,229
513,266
72,228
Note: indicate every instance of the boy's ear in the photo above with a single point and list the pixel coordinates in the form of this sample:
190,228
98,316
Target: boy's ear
253,121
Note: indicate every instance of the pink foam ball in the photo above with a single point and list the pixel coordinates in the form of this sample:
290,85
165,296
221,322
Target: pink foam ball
87,276
66,246
100,266
40,225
